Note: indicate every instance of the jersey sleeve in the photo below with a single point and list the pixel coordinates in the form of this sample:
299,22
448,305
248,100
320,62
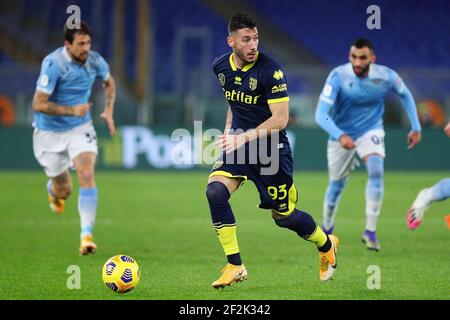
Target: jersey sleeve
48,78
331,88
102,68
214,65
396,83
326,101
275,84
407,99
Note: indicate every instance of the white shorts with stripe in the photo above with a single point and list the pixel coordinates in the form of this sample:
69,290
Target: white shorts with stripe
342,161
55,151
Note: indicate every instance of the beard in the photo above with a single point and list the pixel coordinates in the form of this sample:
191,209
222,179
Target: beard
82,58
243,57
363,71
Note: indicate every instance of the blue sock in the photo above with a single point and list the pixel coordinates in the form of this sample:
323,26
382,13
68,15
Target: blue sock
374,190
441,190
87,207
332,197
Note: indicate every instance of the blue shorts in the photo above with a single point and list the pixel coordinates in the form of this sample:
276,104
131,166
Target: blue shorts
276,191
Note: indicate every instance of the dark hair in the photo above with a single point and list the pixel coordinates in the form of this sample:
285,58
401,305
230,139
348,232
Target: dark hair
69,34
362,43
241,20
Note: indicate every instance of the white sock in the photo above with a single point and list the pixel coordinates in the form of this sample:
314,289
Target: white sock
423,198
373,209
87,207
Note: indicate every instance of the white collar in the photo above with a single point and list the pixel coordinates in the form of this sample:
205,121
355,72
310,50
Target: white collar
66,54
369,75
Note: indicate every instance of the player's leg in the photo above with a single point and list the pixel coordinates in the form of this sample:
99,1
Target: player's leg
340,164
50,151
218,193
370,147
304,225
438,192
84,165
278,193
374,195
83,152
59,189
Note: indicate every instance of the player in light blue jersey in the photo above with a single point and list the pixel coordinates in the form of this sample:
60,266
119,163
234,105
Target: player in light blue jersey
438,192
63,134
350,109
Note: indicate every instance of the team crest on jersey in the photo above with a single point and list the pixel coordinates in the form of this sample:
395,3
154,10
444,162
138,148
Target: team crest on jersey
221,77
238,80
253,83
376,81
278,75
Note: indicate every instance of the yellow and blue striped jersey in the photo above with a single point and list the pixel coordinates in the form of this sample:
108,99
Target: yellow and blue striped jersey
250,90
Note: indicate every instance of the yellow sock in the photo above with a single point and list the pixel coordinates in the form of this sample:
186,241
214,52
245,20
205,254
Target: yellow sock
318,237
228,239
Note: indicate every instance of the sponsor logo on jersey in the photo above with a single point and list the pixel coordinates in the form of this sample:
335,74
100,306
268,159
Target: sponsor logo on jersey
279,88
240,96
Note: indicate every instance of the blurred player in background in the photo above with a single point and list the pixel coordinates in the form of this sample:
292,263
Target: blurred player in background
350,109
64,135
438,192
256,91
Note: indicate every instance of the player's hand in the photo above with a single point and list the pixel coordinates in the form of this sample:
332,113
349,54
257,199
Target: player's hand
414,138
80,110
107,116
447,129
229,142
346,142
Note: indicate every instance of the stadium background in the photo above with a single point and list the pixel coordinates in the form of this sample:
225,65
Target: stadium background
160,54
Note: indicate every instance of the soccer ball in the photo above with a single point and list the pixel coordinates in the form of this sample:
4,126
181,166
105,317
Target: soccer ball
121,273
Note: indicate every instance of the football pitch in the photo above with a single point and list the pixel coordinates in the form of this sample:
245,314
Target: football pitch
162,220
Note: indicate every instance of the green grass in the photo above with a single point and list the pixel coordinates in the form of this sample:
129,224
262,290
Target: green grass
162,220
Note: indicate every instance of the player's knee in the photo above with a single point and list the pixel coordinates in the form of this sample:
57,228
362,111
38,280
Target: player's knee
62,191
335,188
86,176
375,168
286,221
217,192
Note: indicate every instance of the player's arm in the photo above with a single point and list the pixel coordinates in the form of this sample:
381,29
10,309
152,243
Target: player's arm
110,97
447,129
278,121
326,101
41,104
397,84
228,121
